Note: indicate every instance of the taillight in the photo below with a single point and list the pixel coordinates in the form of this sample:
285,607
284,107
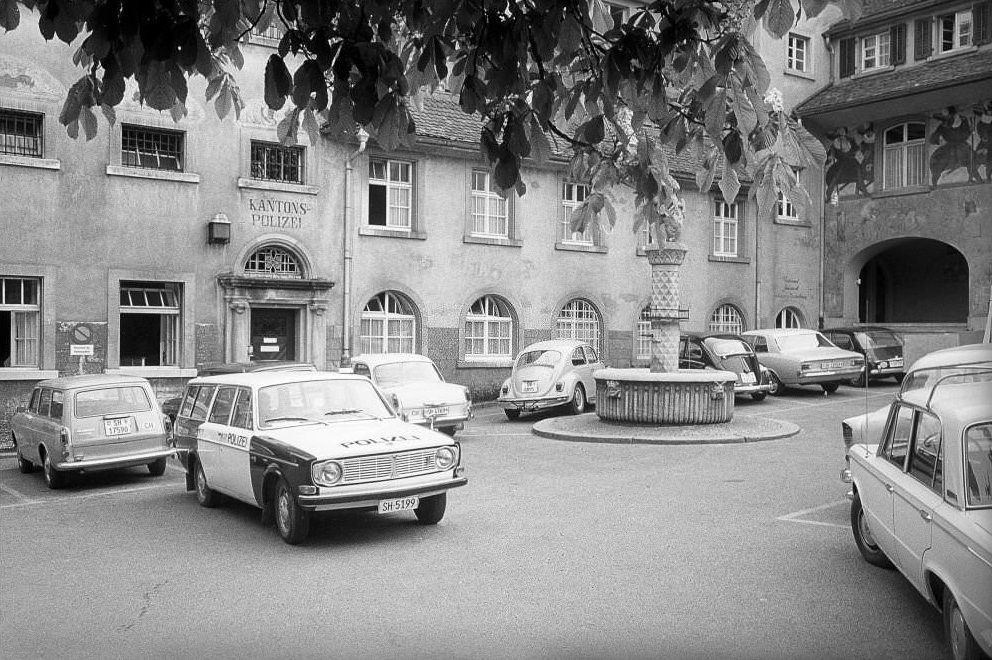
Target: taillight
66,443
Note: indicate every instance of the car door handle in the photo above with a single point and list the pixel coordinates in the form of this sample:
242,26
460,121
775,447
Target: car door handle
889,487
925,515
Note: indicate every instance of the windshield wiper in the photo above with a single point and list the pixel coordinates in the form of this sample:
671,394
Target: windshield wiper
346,411
287,419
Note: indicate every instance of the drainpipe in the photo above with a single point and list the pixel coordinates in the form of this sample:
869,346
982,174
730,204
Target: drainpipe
349,213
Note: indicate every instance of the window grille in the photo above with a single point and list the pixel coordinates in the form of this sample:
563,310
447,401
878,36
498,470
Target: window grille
273,162
489,208
388,324
151,148
727,318
20,322
488,329
21,133
273,262
578,319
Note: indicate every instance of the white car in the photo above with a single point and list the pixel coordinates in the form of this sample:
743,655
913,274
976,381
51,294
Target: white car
921,501
551,374
867,427
801,356
417,389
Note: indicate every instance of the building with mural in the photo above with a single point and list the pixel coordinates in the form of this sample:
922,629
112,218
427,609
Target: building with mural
907,121
160,245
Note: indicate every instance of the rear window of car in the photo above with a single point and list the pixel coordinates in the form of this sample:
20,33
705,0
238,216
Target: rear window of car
802,341
397,373
546,358
879,339
725,347
111,401
978,468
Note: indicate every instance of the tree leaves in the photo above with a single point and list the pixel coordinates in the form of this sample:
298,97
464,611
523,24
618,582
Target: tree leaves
779,17
278,82
10,16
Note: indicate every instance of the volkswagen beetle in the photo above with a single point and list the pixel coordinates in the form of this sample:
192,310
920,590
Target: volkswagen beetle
556,373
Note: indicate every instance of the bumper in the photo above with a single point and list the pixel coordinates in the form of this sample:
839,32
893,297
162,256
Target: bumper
531,405
751,389
817,377
367,500
457,421
875,372
114,462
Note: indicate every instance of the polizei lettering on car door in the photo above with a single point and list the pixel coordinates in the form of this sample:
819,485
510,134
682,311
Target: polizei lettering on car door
379,441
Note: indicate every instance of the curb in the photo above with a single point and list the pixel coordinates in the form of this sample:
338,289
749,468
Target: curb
589,428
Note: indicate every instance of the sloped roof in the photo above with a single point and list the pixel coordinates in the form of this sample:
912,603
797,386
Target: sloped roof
904,81
877,10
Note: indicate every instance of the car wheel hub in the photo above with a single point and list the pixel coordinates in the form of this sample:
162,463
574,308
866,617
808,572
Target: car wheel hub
282,507
866,532
957,634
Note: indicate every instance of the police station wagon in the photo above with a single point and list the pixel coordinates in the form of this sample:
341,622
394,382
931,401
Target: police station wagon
297,443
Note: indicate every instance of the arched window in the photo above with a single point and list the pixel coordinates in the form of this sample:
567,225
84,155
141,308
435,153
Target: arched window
578,319
642,335
273,262
790,317
904,155
488,329
388,324
727,318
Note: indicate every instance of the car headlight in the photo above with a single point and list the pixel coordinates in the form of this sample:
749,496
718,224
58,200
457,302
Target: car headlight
883,365
327,473
446,457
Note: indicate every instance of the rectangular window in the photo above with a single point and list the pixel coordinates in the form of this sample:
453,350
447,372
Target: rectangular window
875,51
785,210
20,322
725,229
572,196
925,459
954,31
150,323
21,133
904,156
273,162
152,148
797,58
489,208
390,193
978,457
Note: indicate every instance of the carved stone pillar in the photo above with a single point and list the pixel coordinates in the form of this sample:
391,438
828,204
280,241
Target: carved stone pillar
665,312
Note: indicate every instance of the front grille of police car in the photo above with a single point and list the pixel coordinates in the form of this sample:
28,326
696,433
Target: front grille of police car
388,466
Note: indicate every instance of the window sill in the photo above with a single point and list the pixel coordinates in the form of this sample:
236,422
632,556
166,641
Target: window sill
162,175
27,373
872,72
729,260
278,186
366,230
580,247
799,74
793,222
30,161
485,363
951,53
490,240
154,372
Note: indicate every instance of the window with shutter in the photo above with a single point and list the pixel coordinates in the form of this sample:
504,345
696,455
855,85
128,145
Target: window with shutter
982,13
846,57
922,48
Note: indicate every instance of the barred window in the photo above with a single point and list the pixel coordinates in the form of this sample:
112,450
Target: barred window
727,318
578,319
149,324
21,133
273,262
490,215
725,229
488,329
904,156
390,193
274,162
388,324
572,196
152,148
20,322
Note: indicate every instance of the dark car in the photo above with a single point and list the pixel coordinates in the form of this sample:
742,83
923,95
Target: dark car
727,352
881,347
171,406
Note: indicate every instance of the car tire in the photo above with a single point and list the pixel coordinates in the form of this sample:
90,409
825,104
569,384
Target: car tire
859,381
829,388
431,509
862,536
157,468
512,413
205,495
292,522
23,465
759,396
577,405
899,378
777,388
960,641
53,478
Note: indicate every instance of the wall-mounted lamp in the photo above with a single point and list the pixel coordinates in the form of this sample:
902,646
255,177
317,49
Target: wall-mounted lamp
219,229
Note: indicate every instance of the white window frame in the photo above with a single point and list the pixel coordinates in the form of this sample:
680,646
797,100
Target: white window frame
488,329
163,299
961,25
643,335
876,49
798,55
572,196
726,228
490,211
397,179
388,324
901,156
579,319
25,321
789,317
727,318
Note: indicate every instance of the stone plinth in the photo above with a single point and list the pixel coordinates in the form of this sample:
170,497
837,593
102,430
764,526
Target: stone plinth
679,397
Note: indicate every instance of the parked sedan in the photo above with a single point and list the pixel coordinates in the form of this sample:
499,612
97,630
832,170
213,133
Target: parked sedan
726,352
881,347
800,356
90,423
417,390
551,374
922,501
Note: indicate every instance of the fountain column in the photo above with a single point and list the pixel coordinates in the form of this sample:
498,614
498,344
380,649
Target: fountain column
666,262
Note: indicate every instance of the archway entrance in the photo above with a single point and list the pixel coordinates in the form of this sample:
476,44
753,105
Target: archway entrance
914,281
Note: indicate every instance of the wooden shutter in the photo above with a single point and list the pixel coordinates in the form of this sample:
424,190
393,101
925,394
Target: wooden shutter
897,38
846,68
982,16
923,39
